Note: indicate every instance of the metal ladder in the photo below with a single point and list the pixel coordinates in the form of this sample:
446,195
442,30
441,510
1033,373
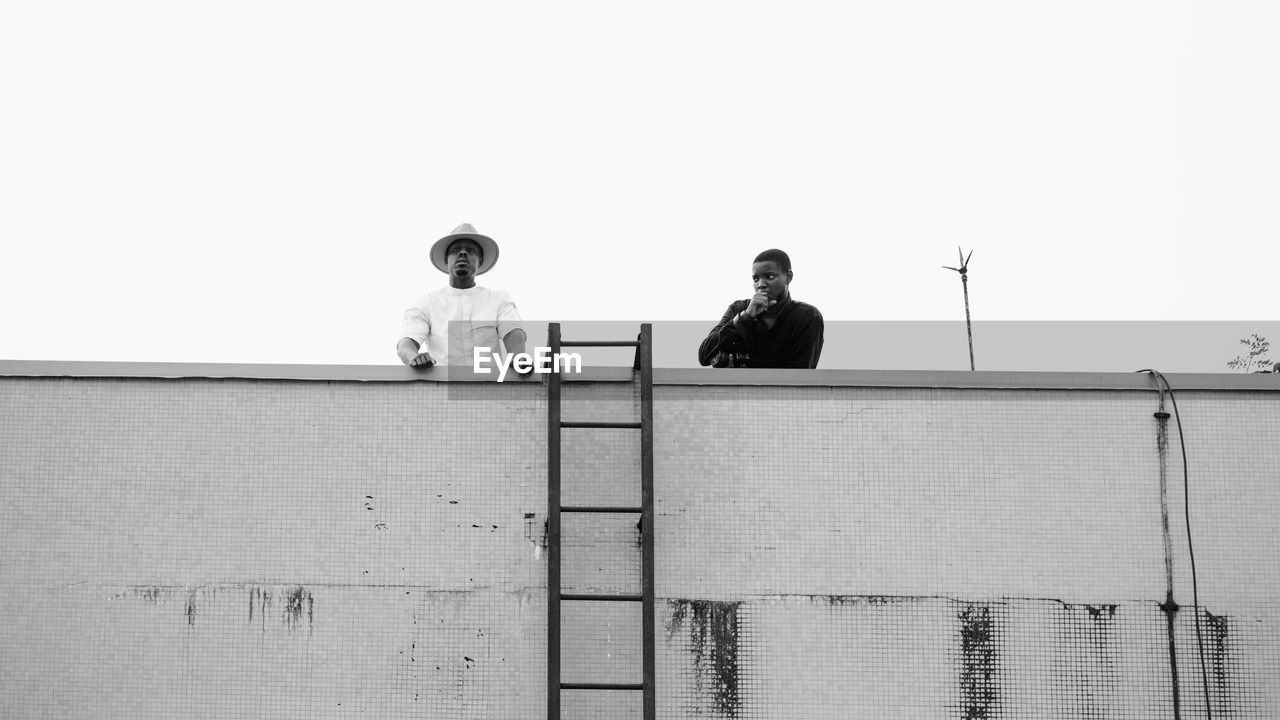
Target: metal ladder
644,364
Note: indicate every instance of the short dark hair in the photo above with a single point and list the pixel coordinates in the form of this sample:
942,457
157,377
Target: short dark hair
775,255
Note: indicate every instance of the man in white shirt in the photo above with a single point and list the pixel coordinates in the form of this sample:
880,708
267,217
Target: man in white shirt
444,327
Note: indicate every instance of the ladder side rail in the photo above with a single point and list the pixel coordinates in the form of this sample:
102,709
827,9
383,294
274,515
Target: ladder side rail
644,355
553,530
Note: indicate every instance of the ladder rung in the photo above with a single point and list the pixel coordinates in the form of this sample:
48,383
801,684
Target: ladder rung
604,598
599,509
601,686
599,343
634,425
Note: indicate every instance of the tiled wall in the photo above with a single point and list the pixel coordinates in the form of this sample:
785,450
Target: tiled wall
207,548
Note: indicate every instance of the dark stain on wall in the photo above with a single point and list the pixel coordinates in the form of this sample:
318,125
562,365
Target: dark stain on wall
1084,664
979,663
534,534
850,600
261,598
1099,612
297,602
713,642
1216,630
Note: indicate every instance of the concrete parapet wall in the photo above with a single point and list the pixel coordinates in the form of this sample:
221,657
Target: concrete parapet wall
333,548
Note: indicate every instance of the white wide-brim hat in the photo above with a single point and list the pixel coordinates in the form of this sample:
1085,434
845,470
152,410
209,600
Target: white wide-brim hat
465,231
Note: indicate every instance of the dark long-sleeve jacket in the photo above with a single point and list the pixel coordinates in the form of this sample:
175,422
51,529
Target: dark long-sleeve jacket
794,341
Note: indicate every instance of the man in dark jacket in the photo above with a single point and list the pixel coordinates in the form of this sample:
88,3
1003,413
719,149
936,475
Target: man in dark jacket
770,330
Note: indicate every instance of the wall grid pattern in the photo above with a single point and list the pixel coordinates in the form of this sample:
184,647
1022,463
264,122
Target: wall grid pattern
213,548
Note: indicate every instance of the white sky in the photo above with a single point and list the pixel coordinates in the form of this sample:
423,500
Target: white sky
260,181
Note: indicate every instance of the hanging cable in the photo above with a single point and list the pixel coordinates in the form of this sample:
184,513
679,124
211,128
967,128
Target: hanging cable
1162,384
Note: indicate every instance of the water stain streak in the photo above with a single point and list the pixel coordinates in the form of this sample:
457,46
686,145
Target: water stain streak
713,641
979,663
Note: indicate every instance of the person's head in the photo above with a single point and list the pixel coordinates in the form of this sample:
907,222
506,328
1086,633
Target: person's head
463,259
771,274
478,252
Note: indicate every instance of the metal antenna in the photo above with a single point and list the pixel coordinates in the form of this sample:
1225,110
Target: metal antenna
964,280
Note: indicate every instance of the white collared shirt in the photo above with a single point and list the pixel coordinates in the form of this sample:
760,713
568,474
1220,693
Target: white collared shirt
450,322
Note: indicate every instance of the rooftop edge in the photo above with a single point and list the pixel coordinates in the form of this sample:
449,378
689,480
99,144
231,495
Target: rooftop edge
661,376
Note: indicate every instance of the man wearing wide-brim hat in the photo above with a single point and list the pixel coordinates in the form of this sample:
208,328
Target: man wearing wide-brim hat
444,326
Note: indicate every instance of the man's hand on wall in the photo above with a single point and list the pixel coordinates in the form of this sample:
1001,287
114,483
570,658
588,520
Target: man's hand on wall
422,359
407,349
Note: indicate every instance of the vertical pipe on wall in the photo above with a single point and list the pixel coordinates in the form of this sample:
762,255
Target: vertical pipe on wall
1169,606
